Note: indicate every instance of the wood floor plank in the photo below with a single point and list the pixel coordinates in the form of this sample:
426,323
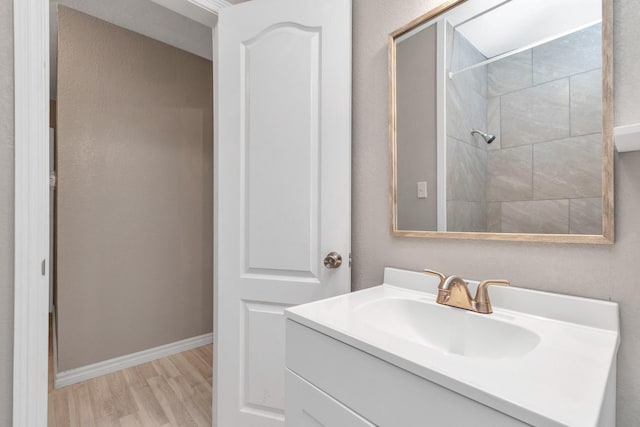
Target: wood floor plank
174,391
51,412
145,418
140,418
205,356
82,415
122,398
61,403
146,370
182,415
109,421
147,402
200,365
101,399
207,359
202,399
207,349
189,372
134,378
181,387
165,395
165,368
196,413
132,420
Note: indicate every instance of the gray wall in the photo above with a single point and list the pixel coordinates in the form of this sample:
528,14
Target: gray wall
135,192
6,210
416,130
545,165
142,16
466,153
606,272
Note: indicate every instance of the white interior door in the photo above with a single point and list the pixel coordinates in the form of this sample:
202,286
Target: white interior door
283,183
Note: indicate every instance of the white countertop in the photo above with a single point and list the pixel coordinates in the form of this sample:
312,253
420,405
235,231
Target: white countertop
562,381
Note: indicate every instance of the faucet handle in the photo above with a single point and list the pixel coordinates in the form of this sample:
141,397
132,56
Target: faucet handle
482,302
439,275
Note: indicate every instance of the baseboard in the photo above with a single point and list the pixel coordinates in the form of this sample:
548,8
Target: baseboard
72,376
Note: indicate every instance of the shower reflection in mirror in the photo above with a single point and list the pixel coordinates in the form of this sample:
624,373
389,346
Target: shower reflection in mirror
519,146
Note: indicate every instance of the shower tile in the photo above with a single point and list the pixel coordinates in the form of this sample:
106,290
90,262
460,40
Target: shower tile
493,121
586,103
568,168
536,216
466,216
466,172
466,110
510,74
465,54
536,114
585,216
494,217
479,78
466,92
510,174
572,54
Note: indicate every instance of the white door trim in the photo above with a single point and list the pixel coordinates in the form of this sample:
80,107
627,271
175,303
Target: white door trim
202,11
31,250
31,206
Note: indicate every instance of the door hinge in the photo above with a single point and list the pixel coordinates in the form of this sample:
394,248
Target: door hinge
53,180
350,259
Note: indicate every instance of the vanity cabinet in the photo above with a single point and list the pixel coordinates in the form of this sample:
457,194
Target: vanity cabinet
391,356
330,383
308,406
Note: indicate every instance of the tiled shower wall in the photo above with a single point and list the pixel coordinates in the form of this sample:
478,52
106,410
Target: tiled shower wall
544,105
466,154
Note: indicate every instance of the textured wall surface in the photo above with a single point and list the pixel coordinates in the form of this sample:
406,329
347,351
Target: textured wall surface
141,16
416,130
6,210
606,272
135,192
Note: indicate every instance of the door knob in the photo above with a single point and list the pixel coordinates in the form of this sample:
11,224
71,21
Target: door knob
333,260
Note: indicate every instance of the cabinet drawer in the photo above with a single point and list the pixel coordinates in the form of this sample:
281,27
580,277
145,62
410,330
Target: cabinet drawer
386,395
307,406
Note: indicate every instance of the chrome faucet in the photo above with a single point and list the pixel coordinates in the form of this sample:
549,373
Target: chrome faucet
454,291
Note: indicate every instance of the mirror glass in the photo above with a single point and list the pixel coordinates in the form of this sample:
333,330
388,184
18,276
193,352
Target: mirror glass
501,122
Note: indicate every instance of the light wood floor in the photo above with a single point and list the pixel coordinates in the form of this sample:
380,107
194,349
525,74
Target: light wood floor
174,391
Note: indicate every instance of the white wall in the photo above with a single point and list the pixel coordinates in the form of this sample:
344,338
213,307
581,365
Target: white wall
593,271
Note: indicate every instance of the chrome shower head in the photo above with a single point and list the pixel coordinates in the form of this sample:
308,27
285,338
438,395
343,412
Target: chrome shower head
488,138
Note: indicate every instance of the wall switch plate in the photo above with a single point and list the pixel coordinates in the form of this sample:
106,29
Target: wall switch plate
422,189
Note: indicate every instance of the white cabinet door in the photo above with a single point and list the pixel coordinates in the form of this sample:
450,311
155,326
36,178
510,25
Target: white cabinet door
283,185
308,406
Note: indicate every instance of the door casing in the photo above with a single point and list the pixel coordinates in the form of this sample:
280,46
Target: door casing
31,203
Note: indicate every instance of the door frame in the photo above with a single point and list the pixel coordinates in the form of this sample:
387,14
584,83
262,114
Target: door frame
31,197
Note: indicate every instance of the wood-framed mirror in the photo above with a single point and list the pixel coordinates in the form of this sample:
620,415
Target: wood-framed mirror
501,122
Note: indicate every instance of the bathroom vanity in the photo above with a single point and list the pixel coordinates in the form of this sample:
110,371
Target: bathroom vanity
391,356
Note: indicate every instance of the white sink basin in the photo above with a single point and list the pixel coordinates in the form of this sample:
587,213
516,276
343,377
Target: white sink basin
547,359
447,329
